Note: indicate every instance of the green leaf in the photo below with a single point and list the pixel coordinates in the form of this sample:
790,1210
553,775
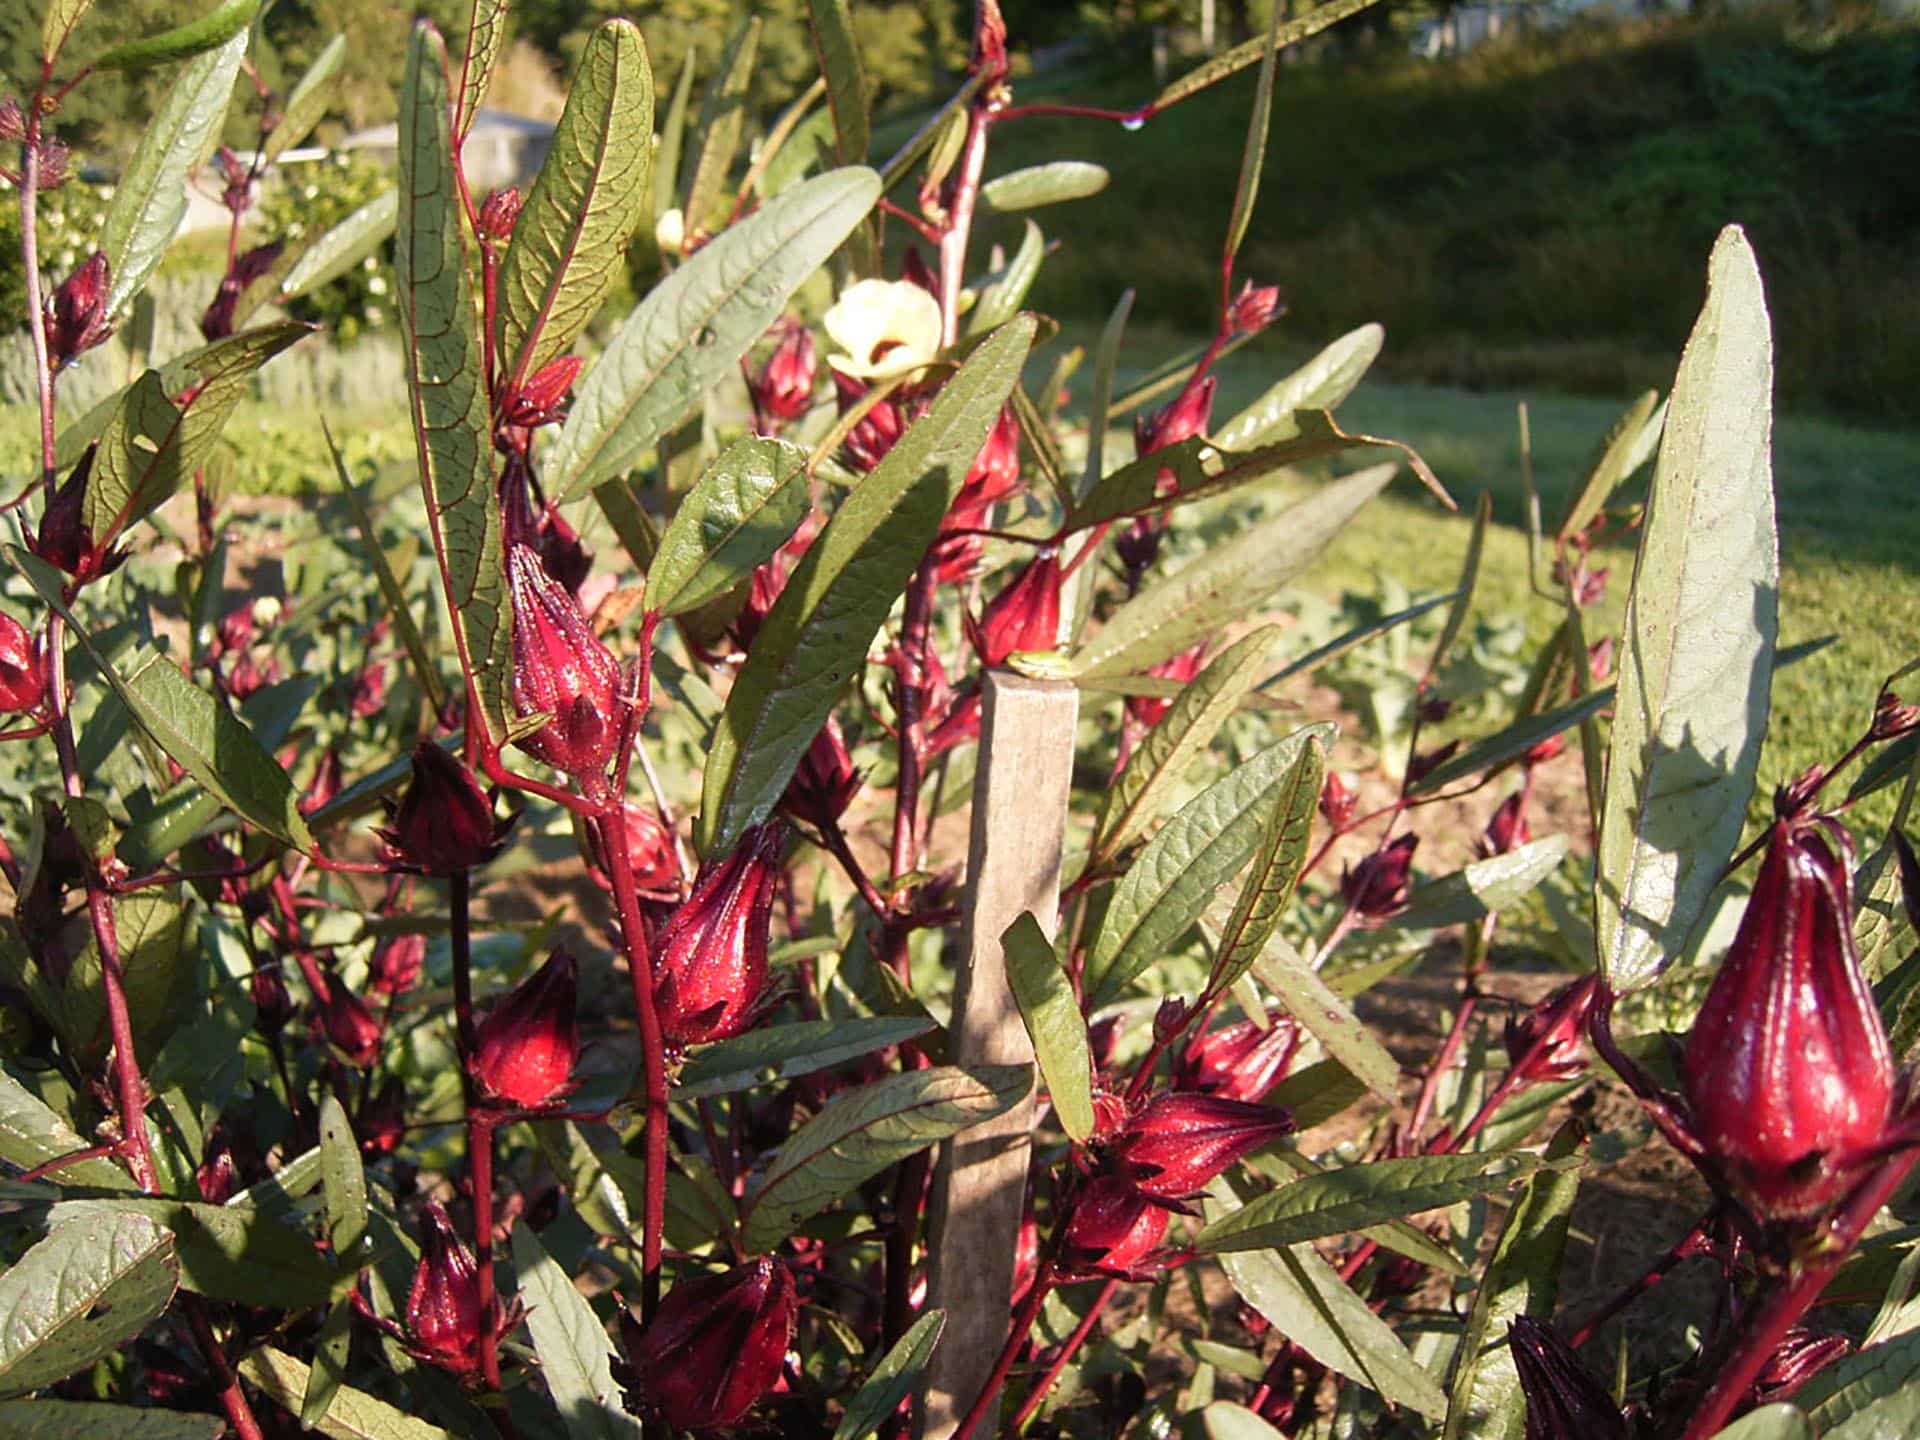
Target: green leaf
332,1349
1316,1094
747,505
344,246
79,1294
446,393
1180,737
1224,1420
308,103
1253,154
212,30
892,1379
486,34
1483,888
1868,1395
570,243
1313,1307
32,1134
1106,357
1329,1019
673,134
1051,1012
722,123
1276,869
693,327
1888,767
1786,1422
151,446
1697,644
783,1052
1005,292
86,1420
864,1131
1628,446
1509,744
344,1179
1463,592
1320,384
575,1355
1047,184
151,199
838,48
58,25
1231,62
1228,582
814,641
1172,881
1356,1196
1521,1278
354,1414
227,1252
210,742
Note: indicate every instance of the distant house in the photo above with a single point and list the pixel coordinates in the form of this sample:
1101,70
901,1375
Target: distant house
501,149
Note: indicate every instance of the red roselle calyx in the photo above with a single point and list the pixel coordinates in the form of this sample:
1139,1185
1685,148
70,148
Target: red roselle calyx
1147,709
783,390
1239,1061
351,1028
525,1047
1564,1399
498,212
444,823
76,312
1025,615
396,965
1179,1143
23,681
445,1323
1377,887
1187,416
1545,1045
716,1346
1114,1229
1254,308
710,962
272,1004
541,400
560,667
1508,828
1337,802
1787,1070
1800,1355
825,782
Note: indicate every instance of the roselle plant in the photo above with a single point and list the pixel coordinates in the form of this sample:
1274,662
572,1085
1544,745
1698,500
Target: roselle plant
320,1116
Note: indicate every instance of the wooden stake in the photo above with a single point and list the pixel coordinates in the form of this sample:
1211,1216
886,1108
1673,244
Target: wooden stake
1013,866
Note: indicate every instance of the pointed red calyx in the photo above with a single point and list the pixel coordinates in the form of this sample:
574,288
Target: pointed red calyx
526,1046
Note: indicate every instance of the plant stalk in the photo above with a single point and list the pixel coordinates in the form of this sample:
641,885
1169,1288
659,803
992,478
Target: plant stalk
479,1122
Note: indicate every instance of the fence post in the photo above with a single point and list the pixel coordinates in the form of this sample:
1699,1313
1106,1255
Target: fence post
1013,866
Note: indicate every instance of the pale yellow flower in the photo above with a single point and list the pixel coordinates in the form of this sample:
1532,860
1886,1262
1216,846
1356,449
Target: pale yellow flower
670,232
885,328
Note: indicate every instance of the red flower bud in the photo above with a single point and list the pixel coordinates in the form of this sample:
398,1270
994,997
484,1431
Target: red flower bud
216,322
1147,709
869,441
445,1323
656,868
716,1346
1023,616
1239,1061
1508,828
1422,766
996,469
444,823
76,312
218,1177
825,782
1254,308
1168,1018
711,958
63,539
541,399
560,666
783,390
1377,886
1600,659
1138,545
1113,1230
1188,415
498,212
396,965
1787,1070
382,1121
1800,1355
1103,1038
272,1005
1179,1143
1545,1045
525,1048
23,682
1546,750
1337,802
1891,719
325,784
1563,1397
351,1028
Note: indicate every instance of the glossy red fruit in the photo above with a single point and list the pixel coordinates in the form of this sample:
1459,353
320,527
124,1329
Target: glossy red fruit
1239,1061
526,1046
1114,1228
561,668
351,1028
716,1346
1023,616
711,957
1177,1145
23,682
1564,1398
444,823
444,1320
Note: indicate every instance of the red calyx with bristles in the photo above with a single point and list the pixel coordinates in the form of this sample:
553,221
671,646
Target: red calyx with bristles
716,1346
560,667
444,823
526,1046
711,958
1177,1145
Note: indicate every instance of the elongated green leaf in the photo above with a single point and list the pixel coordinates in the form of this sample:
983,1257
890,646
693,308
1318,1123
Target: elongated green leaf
1505,746
1003,295
1786,1422
1047,184
332,1349
1231,62
152,444
722,124
1401,1236
61,17
354,1414
1052,1016
1316,1094
1869,1395
892,1379
32,1134
79,1294
575,1355
1888,767
486,33
210,742
345,1181
694,326
1276,868
1329,1019
1698,639
1173,880
1483,888
226,1252
744,508
1228,582
1320,384
1463,592
1308,1302
1355,1196
308,103
151,199
209,32
1253,154
344,246
1179,738
446,393
839,52
1628,446
673,135
1522,1278
815,638
570,242
1106,357
87,1420
782,1052
1224,1420
862,1132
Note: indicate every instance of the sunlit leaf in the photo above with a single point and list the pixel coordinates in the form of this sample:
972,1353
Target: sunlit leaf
79,1294
892,1379
1320,384
1051,1013
198,36
1047,184
576,1357
745,507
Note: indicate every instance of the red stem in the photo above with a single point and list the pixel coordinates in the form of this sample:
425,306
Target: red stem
233,1399
479,1122
1066,1353
1023,1319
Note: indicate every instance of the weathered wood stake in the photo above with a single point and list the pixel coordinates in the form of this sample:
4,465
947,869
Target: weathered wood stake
1013,866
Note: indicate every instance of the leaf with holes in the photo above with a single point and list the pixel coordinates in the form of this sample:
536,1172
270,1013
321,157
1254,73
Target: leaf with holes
79,1294
747,505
